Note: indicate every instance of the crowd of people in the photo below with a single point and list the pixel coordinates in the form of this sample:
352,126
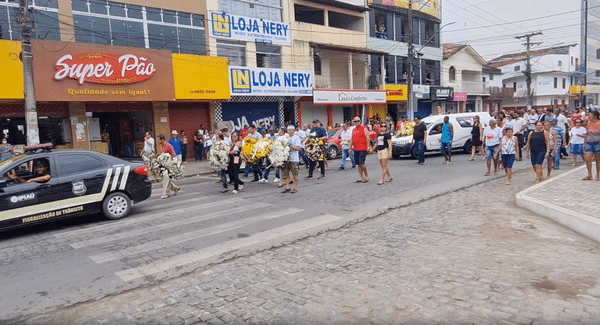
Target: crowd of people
543,136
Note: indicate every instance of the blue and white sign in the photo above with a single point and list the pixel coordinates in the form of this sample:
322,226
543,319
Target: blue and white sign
239,115
240,28
270,82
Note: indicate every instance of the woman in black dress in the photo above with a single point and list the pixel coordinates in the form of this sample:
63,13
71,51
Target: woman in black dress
476,142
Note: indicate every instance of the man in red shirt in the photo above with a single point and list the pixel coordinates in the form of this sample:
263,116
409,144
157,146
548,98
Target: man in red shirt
361,145
168,184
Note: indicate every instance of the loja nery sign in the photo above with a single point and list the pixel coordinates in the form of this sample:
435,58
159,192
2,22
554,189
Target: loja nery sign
104,68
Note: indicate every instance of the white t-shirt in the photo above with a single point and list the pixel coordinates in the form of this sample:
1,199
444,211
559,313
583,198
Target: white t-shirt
492,137
344,135
562,120
149,147
532,120
574,132
518,124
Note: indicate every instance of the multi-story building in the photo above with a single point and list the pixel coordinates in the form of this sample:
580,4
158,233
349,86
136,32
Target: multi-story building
150,72
590,60
553,71
463,71
388,32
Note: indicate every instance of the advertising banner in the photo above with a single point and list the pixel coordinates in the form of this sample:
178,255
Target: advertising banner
65,71
200,77
442,93
341,97
238,115
240,28
460,97
421,91
430,7
269,82
396,92
11,83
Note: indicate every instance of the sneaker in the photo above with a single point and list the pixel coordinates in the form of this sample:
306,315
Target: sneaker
176,190
276,180
354,166
254,180
262,180
308,177
241,187
449,163
165,196
342,168
234,192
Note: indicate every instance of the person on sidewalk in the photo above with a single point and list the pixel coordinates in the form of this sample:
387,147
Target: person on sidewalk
168,184
148,150
446,141
199,145
592,144
345,135
538,148
384,152
519,128
576,140
321,134
176,143
491,140
184,143
290,169
419,139
560,142
361,145
508,151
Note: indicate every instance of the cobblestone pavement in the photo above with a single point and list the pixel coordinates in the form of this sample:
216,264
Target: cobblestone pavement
471,256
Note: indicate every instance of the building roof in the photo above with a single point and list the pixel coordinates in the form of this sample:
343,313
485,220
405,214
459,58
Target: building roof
450,50
513,58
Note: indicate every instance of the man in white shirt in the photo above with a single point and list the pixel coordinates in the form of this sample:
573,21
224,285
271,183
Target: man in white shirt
491,140
345,136
519,127
148,147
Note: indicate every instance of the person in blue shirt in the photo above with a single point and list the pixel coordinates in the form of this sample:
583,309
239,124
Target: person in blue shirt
447,136
176,143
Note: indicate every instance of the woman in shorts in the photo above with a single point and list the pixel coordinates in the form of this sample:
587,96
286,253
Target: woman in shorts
576,139
508,148
592,144
538,149
384,152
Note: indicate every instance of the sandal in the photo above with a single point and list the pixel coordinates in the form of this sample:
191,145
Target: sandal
379,183
365,180
280,185
225,190
471,159
391,179
286,190
293,191
358,181
587,178
486,174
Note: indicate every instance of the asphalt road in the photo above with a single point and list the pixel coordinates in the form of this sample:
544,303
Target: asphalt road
84,259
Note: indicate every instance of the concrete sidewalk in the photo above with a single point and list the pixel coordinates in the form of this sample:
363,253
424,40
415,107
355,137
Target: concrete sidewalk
568,200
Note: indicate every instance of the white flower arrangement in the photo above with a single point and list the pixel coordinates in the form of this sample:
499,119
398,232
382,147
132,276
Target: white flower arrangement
280,151
158,164
219,155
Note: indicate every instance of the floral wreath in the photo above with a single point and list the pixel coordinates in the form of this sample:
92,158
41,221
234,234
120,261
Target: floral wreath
280,151
314,148
158,164
219,155
254,150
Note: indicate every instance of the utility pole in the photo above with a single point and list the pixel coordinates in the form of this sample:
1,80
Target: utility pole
585,49
528,65
409,83
31,119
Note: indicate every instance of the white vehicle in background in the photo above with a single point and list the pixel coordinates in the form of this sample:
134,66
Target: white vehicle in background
462,122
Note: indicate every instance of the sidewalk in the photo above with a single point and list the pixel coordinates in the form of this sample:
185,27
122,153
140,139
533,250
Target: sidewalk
567,200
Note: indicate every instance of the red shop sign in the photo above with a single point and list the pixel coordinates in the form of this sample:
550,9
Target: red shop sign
104,68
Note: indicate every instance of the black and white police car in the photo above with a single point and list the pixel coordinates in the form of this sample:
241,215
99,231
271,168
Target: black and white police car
80,182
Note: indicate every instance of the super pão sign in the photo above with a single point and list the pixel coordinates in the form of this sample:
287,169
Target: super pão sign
104,68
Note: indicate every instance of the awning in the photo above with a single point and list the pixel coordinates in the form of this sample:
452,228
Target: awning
343,48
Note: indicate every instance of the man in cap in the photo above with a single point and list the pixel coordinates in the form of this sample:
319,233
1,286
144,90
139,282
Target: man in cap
176,143
292,165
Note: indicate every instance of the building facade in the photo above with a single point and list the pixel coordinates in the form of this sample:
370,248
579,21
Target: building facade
463,71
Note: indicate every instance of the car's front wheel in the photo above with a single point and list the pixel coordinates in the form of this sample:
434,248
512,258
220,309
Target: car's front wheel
116,205
332,152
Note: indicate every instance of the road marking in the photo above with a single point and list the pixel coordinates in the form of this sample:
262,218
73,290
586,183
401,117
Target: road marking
222,248
132,221
168,225
174,240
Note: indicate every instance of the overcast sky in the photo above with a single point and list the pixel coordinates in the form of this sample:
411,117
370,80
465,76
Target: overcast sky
490,26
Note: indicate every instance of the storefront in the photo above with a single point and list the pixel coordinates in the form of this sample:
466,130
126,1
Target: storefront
263,97
333,107
422,94
442,98
397,105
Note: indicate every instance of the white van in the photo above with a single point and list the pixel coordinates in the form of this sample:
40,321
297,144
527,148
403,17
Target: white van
462,123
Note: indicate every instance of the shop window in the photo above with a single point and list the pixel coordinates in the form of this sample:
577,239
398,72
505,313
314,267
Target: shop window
268,56
452,74
309,15
380,27
235,52
318,66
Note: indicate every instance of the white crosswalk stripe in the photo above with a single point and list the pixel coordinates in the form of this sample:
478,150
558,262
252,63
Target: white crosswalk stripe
206,253
168,225
177,239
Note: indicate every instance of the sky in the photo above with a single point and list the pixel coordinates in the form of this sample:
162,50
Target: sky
490,26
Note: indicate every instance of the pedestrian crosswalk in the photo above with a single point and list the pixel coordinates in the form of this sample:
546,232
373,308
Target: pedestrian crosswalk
192,233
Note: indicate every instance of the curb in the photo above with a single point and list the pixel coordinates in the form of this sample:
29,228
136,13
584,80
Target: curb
578,222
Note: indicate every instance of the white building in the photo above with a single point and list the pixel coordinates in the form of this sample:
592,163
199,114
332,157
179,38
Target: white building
462,69
553,71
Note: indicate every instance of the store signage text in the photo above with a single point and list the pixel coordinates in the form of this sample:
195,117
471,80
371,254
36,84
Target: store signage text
249,29
348,97
255,81
104,68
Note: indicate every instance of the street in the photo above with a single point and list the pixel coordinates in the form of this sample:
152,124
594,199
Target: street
456,229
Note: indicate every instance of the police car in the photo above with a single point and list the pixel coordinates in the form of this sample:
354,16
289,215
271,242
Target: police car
41,185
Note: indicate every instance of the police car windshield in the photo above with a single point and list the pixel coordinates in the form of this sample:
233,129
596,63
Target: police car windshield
9,160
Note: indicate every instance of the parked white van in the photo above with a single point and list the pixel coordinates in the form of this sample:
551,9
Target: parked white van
462,123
